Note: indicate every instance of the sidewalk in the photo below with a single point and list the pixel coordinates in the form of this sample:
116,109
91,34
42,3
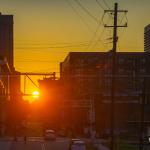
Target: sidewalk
6,138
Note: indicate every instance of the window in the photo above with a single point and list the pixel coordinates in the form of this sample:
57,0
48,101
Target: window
121,60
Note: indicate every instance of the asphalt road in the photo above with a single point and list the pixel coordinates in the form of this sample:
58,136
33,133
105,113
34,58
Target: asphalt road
35,144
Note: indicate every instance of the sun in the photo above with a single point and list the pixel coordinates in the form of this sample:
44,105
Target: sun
35,94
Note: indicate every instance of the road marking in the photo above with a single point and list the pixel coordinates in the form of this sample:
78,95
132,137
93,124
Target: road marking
35,139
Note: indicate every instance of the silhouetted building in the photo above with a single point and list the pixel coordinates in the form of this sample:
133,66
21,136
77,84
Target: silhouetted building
88,76
4,90
6,51
4,81
51,95
10,84
147,38
6,38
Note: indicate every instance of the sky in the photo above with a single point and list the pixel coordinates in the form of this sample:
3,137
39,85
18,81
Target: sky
45,31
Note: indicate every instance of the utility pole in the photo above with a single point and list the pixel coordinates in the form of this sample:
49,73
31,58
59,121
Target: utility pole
142,122
114,49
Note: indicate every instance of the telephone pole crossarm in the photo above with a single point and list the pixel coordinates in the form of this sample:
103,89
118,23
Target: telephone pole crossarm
115,25
123,26
124,11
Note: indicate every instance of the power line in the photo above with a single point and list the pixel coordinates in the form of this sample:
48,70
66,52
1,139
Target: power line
98,2
49,44
123,31
99,39
76,12
23,47
86,11
101,34
100,5
40,61
106,4
32,82
101,21
39,72
124,16
32,47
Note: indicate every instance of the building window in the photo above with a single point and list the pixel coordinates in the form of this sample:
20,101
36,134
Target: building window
121,60
143,60
120,71
142,70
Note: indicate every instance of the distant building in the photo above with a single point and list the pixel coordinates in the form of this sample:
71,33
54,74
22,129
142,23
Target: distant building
4,90
4,81
6,51
51,95
10,93
6,37
87,76
147,38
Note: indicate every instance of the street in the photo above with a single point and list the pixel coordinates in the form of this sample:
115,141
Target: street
35,144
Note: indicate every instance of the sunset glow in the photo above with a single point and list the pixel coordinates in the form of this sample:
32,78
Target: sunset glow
35,94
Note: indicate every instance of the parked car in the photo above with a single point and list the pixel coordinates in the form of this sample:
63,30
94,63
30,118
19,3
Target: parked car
77,144
49,135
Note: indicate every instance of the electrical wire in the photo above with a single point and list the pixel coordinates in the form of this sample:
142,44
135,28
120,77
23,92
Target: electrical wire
82,19
35,60
48,47
100,5
38,48
92,39
47,44
32,82
123,31
126,17
106,4
99,39
122,19
86,11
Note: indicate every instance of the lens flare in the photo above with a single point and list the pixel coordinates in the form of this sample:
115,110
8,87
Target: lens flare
36,94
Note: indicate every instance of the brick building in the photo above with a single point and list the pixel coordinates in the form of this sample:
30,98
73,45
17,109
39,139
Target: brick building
87,76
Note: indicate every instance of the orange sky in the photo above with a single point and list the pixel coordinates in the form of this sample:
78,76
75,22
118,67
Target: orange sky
46,30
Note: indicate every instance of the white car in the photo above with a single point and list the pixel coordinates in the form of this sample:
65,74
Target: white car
49,135
77,145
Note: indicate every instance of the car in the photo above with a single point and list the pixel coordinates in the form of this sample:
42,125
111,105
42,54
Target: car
77,144
49,134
